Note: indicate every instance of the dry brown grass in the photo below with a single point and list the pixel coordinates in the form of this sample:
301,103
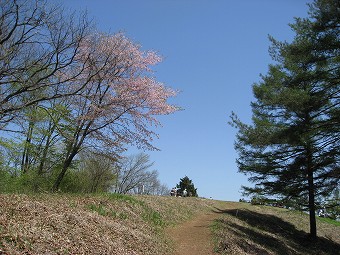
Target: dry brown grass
115,224
177,209
248,229
103,224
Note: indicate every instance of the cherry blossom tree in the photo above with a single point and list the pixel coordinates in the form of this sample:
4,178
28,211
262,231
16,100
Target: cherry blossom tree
120,103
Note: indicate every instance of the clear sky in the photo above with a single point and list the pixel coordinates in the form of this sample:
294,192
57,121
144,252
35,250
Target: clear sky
214,50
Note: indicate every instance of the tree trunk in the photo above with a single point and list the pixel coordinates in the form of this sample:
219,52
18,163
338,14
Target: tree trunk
66,165
73,149
43,158
27,148
311,205
311,195
46,148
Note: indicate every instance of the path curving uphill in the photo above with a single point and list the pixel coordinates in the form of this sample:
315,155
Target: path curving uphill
194,237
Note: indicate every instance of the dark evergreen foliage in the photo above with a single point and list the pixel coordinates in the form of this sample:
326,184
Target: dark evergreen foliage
186,183
292,148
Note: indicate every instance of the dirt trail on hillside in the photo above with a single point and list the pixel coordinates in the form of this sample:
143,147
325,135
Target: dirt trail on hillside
194,237
259,230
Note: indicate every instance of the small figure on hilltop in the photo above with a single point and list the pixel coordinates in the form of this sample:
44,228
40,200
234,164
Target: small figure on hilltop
173,192
185,192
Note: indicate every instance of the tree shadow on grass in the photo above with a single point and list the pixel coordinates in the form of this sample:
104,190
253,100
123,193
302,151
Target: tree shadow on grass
268,234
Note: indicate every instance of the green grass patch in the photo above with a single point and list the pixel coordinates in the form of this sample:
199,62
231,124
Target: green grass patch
100,209
153,217
149,215
215,227
330,221
122,197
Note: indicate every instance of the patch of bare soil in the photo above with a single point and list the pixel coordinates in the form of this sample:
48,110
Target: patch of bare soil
194,236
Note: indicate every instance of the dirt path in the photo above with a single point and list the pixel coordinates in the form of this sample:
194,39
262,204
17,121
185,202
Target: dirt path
194,237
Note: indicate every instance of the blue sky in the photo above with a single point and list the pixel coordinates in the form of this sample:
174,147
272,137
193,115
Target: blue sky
214,50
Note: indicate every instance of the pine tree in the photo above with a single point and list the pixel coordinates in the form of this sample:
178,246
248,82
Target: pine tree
186,183
292,147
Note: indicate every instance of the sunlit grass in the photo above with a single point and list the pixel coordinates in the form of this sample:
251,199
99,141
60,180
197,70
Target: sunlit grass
330,221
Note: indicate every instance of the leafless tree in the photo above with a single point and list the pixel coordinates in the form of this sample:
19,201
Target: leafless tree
133,175
38,43
153,186
163,190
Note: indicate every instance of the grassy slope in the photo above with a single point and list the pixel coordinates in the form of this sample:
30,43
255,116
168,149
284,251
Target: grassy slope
248,229
101,224
116,224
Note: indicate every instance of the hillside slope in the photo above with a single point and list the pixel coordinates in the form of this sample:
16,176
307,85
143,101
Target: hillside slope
253,229
119,224
102,224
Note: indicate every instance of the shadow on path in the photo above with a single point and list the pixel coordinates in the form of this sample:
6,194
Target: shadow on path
260,233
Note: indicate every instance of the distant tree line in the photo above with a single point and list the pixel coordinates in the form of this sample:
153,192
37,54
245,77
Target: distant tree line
71,99
292,148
